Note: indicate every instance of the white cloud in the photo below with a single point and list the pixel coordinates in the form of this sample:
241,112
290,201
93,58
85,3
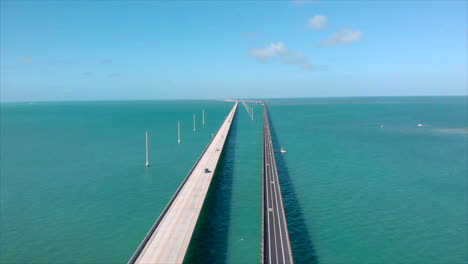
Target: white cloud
27,60
345,36
270,51
114,74
286,56
7,68
318,22
61,61
252,34
303,2
30,60
105,61
297,59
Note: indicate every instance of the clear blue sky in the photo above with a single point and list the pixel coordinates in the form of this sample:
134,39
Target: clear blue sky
105,50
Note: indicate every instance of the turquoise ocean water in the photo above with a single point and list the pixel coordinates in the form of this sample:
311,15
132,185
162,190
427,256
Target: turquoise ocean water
360,193
361,182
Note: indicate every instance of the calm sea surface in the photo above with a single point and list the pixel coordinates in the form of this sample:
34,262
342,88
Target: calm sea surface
362,182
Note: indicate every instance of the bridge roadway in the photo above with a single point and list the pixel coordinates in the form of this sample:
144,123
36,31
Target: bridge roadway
276,244
168,239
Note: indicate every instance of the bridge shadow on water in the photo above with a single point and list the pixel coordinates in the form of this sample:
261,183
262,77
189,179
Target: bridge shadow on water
301,242
209,242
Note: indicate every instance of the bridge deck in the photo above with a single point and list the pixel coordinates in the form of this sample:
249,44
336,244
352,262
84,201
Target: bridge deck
276,244
168,239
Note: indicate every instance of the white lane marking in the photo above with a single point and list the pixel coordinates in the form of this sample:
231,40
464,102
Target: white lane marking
268,218
269,195
279,221
274,173
285,222
274,225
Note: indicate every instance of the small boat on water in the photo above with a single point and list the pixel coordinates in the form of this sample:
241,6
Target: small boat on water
420,125
283,150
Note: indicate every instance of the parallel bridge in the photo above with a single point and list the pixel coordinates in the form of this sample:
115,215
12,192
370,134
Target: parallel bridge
276,243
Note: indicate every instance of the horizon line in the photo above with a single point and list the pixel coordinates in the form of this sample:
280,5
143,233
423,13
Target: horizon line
222,99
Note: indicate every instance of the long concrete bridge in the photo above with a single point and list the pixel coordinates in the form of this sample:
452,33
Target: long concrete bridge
169,237
276,243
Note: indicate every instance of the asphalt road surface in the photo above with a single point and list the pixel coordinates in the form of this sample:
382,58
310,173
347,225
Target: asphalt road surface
276,244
